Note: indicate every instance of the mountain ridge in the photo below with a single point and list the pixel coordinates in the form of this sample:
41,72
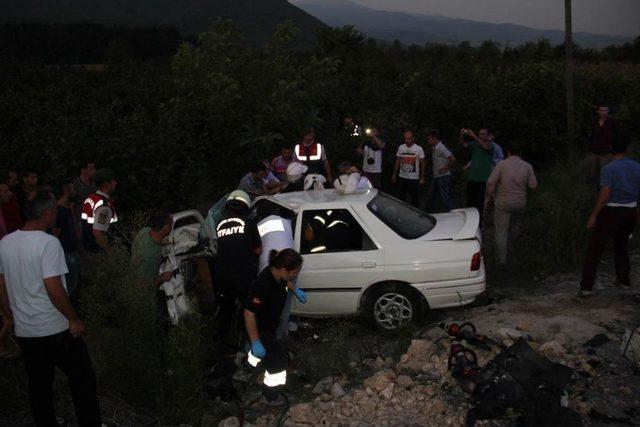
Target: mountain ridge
257,18
422,28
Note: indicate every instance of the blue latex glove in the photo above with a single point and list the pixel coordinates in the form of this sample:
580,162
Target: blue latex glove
301,295
258,349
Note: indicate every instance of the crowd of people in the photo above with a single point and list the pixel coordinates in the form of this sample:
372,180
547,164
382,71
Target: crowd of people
45,239
305,166
42,238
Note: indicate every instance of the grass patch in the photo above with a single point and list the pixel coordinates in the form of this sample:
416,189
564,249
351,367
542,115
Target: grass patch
139,358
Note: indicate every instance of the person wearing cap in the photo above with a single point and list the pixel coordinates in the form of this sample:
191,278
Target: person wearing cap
236,264
312,154
99,213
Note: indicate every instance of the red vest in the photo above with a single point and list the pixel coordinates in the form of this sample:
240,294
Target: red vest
93,202
311,157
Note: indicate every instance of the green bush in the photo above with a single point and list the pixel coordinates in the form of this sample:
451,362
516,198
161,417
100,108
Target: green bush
138,357
185,130
121,316
553,235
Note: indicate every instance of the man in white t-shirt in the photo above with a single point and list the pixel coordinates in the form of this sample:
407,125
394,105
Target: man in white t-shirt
409,168
442,161
49,332
371,151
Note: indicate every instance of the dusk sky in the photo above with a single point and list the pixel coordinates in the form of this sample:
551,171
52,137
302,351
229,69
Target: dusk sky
612,17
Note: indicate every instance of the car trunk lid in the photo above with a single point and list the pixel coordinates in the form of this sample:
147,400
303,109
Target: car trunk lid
459,224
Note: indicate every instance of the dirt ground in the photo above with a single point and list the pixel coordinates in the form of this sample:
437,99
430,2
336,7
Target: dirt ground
544,311
349,372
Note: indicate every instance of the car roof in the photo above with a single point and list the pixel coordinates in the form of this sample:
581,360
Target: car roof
296,199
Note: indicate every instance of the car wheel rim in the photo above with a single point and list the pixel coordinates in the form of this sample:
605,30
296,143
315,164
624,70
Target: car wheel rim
392,310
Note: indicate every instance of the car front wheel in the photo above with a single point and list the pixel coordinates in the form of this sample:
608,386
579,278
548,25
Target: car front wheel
393,309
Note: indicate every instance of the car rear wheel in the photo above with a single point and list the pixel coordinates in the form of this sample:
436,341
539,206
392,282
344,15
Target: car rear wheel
395,308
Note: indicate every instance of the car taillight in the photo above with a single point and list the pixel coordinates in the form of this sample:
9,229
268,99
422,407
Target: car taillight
475,261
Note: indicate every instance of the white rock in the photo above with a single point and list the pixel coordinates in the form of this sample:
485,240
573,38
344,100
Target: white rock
323,385
208,420
417,355
562,339
379,381
368,406
508,333
303,413
229,422
387,393
552,348
427,367
630,347
336,391
434,334
405,381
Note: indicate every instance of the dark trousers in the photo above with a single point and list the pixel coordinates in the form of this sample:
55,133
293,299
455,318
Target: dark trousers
441,186
615,223
73,276
274,363
232,290
230,318
409,191
375,179
476,191
41,356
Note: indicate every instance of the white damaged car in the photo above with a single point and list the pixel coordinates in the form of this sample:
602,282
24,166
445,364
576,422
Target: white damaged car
371,253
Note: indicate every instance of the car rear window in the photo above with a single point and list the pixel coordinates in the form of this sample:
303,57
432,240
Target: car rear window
407,221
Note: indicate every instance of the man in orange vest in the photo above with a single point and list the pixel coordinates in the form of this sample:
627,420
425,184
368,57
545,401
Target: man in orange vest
99,213
313,155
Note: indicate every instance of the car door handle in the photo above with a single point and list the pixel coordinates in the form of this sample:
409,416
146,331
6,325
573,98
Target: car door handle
368,264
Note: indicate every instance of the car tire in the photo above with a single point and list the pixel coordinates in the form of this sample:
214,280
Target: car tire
395,306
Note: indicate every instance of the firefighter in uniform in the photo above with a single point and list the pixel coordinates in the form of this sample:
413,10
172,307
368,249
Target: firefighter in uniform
262,315
236,264
313,155
99,213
